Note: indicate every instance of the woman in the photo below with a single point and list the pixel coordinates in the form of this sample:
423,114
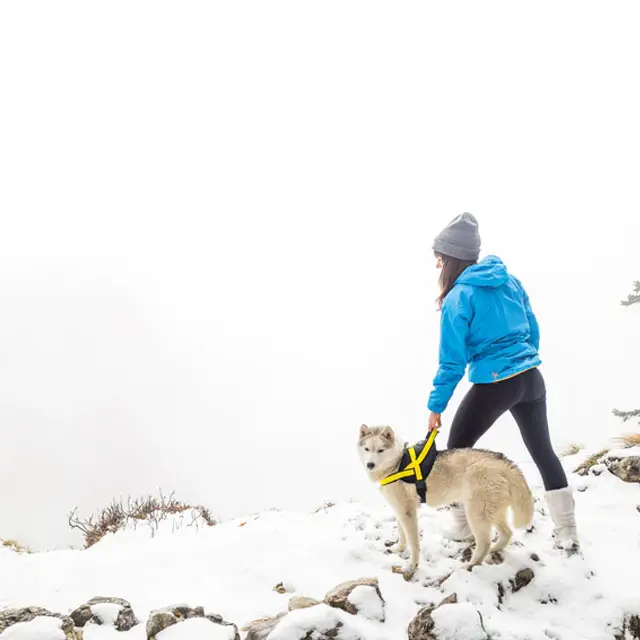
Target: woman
487,323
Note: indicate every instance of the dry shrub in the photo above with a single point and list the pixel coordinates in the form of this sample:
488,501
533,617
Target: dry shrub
149,508
14,545
591,461
627,440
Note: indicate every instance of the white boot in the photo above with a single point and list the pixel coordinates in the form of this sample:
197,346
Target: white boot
562,509
460,530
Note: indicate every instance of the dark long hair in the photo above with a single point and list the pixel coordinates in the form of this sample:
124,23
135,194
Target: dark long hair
451,270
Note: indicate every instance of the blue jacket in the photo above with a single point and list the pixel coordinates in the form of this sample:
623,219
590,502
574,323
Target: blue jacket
487,323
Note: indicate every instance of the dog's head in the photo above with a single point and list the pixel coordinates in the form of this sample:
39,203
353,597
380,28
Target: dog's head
379,449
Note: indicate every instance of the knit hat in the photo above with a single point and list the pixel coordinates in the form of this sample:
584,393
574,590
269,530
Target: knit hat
459,239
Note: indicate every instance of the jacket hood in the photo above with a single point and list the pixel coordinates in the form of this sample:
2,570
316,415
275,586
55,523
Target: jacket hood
489,272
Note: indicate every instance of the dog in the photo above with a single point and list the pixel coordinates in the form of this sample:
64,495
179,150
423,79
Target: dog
485,482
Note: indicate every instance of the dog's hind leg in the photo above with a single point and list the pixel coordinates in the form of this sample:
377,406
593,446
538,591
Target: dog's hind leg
504,533
481,529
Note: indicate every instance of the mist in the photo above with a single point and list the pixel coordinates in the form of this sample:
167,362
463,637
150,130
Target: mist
216,228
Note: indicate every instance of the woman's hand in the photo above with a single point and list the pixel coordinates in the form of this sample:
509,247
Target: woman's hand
435,421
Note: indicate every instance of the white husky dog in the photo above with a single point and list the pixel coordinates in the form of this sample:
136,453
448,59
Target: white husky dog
485,482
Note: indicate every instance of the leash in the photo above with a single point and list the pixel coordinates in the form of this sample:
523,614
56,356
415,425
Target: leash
413,468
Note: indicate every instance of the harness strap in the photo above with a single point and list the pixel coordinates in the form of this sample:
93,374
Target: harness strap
413,468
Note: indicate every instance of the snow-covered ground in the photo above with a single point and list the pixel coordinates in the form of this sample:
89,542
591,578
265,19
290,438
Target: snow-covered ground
232,569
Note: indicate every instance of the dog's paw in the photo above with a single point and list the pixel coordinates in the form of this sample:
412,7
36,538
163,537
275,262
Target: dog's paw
407,570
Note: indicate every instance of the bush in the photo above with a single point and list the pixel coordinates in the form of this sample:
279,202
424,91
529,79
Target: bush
14,545
149,509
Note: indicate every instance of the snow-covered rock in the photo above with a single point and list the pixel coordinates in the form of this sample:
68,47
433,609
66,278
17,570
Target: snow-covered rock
198,629
116,612
316,623
358,597
627,468
161,620
35,623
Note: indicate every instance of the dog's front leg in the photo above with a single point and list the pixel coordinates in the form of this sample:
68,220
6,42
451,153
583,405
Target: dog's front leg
409,521
401,545
405,507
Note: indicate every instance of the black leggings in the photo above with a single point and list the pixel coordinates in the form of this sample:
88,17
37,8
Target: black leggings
525,396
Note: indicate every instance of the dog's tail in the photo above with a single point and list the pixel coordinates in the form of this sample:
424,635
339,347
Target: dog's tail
521,500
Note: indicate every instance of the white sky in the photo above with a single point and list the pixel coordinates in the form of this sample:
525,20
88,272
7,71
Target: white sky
216,221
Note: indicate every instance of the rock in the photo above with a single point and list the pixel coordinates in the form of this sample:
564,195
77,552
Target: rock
300,602
103,600
321,622
81,615
101,610
630,629
422,625
158,622
198,627
358,597
535,557
126,619
260,629
9,617
627,469
522,579
161,619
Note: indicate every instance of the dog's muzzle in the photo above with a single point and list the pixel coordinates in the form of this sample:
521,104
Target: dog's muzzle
370,465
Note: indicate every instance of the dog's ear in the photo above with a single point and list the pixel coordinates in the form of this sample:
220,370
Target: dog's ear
364,430
388,434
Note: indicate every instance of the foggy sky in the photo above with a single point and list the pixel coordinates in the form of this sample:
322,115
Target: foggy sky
216,227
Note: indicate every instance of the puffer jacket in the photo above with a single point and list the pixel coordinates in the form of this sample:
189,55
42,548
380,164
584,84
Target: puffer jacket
486,323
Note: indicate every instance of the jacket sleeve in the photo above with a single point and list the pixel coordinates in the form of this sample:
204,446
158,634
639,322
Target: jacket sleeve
454,330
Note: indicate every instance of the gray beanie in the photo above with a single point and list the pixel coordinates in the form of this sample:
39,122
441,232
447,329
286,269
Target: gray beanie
459,239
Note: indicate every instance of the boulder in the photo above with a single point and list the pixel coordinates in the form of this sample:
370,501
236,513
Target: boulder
260,629
627,469
162,619
630,629
100,610
9,617
159,621
198,627
422,625
321,622
81,615
358,597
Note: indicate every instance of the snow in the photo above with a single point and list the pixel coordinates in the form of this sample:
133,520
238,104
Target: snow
367,602
40,628
296,625
231,570
197,629
458,622
107,612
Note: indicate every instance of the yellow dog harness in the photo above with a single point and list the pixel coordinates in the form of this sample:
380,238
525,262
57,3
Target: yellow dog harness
415,467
